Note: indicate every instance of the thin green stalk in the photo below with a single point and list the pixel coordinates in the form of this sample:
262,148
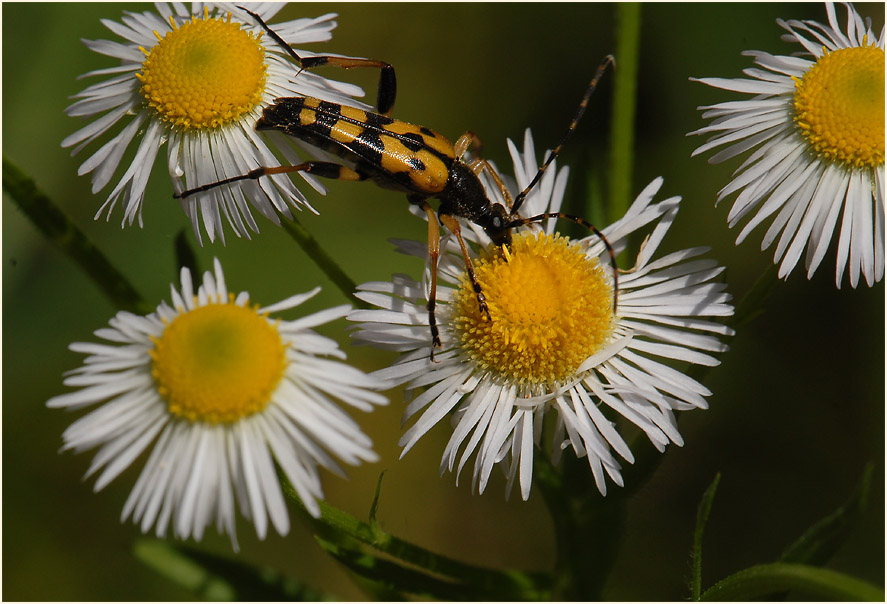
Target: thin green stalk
628,27
66,236
702,514
323,260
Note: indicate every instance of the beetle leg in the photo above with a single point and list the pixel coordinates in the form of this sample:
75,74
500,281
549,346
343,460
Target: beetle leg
453,225
478,164
465,142
323,169
387,81
433,255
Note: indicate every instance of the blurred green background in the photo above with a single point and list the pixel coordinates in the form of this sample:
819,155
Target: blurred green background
798,405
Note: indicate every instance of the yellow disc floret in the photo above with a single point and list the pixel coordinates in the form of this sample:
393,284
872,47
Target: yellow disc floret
551,307
839,106
204,74
218,363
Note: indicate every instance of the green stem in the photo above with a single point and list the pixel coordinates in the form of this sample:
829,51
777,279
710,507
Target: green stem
819,583
588,527
66,236
628,26
323,260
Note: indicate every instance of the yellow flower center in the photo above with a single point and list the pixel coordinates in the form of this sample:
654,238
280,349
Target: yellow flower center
839,106
218,363
551,308
205,74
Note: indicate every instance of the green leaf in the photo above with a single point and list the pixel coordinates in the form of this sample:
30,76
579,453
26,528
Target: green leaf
702,514
213,577
822,540
809,581
397,579
348,534
67,237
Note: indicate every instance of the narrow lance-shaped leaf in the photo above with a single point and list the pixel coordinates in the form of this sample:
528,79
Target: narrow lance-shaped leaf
213,577
808,581
347,533
395,578
822,540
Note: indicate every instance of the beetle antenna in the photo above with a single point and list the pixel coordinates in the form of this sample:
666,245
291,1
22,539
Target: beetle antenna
519,200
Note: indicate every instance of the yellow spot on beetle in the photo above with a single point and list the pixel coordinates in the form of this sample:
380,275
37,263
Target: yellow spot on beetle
345,132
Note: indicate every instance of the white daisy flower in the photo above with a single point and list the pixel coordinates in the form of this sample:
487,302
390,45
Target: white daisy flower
554,342
818,126
198,81
218,392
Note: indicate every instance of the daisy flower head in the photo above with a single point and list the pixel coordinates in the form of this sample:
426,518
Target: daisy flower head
217,391
197,80
816,124
553,344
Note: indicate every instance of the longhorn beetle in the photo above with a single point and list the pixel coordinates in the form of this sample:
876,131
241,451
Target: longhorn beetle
407,158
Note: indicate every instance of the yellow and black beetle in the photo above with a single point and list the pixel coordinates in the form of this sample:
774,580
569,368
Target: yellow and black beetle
411,159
